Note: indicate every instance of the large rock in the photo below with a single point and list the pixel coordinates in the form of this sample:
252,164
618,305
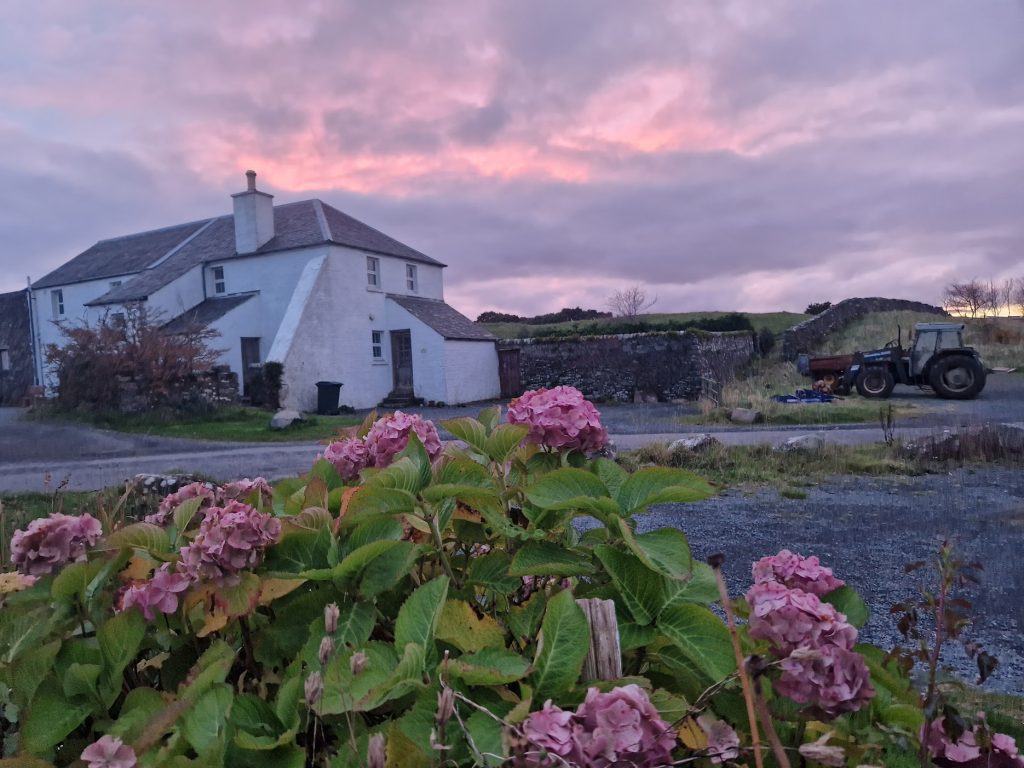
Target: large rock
1011,437
746,416
694,443
284,419
802,443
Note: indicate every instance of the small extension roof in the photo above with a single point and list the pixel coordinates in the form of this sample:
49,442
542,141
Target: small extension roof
443,318
205,312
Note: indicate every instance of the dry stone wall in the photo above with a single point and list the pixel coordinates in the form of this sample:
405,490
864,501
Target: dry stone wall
624,368
805,336
16,339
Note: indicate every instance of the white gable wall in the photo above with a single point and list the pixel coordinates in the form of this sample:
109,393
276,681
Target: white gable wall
471,371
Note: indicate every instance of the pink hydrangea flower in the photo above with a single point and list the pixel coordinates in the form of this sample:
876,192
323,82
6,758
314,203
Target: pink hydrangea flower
230,539
965,752
109,752
806,573
791,619
170,502
389,435
349,456
550,729
160,592
831,679
723,741
53,541
559,418
245,489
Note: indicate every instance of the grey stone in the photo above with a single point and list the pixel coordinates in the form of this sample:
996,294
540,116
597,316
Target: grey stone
284,419
746,416
1011,437
802,443
694,443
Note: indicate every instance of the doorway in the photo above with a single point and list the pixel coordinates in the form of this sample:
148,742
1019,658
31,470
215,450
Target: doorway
401,362
250,361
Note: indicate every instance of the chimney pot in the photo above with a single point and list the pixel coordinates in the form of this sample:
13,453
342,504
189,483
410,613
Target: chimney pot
250,177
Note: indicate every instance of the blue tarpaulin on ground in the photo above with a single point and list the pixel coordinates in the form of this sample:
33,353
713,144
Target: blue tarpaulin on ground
804,396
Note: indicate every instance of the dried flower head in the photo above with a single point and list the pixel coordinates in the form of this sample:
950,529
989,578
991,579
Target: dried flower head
314,688
325,651
331,615
723,741
357,663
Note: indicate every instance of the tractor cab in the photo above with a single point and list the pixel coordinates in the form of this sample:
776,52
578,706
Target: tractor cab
931,339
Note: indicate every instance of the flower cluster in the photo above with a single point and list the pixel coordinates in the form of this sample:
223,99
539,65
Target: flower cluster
160,592
795,572
967,750
163,514
620,727
812,639
50,542
230,539
723,741
559,418
386,439
109,752
244,490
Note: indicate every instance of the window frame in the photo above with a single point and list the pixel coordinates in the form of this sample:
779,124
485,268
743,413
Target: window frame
57,300
377,346
5,360
220,285
412,278
373,281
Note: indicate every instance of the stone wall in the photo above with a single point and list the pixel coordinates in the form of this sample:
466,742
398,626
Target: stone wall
16,338
624,368
805,336
196,393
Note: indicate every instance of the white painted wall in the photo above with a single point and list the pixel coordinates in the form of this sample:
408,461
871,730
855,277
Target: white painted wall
243,320
471,371
428,370
430,279
179,295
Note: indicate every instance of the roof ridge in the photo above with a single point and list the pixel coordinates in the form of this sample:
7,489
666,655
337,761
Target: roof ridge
182,244
203,221
321,218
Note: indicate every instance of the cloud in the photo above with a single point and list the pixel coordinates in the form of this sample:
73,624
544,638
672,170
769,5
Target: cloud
723,154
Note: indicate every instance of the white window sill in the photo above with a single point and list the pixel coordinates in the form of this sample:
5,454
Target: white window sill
379,362
375,288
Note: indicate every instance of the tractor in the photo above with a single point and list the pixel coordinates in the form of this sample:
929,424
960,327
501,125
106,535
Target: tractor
937,358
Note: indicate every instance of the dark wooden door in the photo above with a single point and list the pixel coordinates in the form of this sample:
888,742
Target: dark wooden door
508,373
250,360
401,361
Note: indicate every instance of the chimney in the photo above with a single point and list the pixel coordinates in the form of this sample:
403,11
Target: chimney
254,216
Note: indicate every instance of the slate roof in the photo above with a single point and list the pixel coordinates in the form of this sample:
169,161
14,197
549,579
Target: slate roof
162,255
205,312
442,318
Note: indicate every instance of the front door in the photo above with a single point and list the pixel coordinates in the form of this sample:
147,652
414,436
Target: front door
250,360
401,361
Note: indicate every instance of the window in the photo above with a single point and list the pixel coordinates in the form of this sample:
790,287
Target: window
5,360
377,344
114,284
57,297
410,278
117,320
218,280
372,272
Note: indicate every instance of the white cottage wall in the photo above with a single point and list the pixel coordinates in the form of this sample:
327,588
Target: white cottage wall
429,278
471,370
428,368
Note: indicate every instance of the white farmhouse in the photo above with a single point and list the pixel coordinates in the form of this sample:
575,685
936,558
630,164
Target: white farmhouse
302,284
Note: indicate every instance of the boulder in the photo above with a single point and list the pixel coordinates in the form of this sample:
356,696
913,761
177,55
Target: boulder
802,443
1011,437
694,443
284,419
746,416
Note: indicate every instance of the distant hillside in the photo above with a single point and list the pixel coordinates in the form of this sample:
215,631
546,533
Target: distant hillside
776,322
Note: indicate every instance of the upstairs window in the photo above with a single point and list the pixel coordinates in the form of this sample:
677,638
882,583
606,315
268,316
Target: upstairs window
372,272
57,298
411,283
5,360
377,344
218,280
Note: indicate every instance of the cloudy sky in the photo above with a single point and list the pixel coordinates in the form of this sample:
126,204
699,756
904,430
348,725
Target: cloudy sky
724,155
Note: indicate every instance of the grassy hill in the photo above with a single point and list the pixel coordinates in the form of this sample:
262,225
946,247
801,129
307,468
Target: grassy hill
776,322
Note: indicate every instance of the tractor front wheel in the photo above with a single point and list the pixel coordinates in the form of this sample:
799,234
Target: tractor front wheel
957,377
875,382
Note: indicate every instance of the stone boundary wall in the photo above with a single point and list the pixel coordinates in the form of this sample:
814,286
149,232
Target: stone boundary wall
16,338
804,336
206,389
631,367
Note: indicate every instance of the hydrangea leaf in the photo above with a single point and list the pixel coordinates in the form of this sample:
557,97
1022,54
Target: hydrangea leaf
491,571
611,474
702,586
524,619
565,640
847,601
81,680
377,500
146,536
661,485
204,726
384,572
461,627
119,639
503,440
701,636
546,558
239,599
565,487
468,430
29,670
641,589
417,453
50,718
462,471
490,417
487,738
299,549
490,666
665,550
419,614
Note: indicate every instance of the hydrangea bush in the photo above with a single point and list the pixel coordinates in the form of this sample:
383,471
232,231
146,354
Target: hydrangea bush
409,603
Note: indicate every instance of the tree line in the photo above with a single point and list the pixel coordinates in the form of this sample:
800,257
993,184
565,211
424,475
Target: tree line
982,298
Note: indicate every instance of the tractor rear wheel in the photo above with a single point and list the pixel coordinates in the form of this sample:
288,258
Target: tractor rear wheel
875,382
957,377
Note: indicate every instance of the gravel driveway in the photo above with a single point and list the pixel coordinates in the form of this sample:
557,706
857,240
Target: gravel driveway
866,529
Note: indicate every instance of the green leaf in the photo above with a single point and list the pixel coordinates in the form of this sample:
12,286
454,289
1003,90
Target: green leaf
146,536
50,718
701,588
546,558
375,529
204,726
468,430
672,708
490,417
641,589
471,495
239,599
378,501
490,666
29,670
419,614
299,549
634,636
352,564
388,570
661,485
611,474
458,469
257,726
665,550
141,706
564,488
564,646
81,680
119,639
847,601
71,582
524,620
491,571
701,636
461,627
487,738
402,475
503,440
415,452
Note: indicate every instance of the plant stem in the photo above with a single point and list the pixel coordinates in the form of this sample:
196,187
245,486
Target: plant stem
766,721
439,543
933,662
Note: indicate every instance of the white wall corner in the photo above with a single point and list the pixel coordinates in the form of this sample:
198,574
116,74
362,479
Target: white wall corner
292,319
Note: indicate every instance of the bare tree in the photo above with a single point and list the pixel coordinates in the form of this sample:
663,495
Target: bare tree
1017,299
630,302
969,298
1006,290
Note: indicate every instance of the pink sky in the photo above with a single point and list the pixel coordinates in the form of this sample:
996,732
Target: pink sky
724,155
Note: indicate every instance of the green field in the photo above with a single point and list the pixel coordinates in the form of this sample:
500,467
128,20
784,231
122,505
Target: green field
776,322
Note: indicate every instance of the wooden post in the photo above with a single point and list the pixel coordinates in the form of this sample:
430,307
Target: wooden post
604,659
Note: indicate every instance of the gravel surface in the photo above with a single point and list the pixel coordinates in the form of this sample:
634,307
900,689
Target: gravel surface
866,529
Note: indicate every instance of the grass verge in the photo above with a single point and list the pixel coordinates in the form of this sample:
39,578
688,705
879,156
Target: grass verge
237,424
